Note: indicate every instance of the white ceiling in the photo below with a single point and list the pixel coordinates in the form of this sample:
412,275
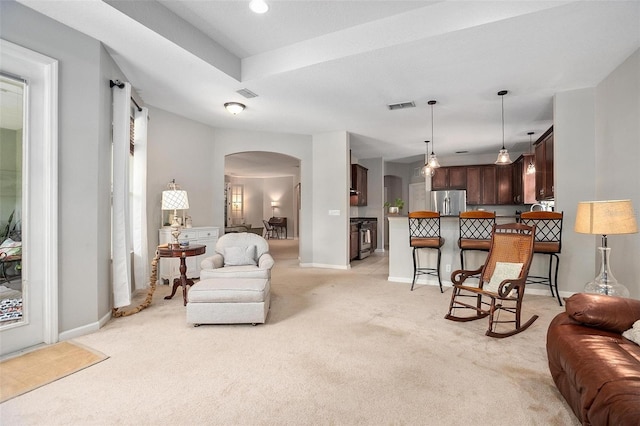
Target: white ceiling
321,66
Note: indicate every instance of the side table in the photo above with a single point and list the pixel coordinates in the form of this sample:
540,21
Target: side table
182,253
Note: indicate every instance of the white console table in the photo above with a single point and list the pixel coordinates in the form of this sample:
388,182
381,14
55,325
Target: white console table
170,267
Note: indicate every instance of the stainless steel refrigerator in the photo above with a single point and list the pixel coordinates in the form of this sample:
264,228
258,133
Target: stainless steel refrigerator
449,203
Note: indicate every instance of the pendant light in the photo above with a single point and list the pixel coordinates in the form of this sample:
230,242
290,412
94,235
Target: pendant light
433,160
427,170
503,155
531,168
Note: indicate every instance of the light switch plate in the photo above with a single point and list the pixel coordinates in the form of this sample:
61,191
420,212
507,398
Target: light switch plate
334,212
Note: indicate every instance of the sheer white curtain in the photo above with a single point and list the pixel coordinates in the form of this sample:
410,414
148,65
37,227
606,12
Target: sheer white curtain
120,226
139,212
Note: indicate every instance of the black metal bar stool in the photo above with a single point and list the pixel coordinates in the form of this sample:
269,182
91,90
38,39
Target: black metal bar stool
424,233
548,241
475,232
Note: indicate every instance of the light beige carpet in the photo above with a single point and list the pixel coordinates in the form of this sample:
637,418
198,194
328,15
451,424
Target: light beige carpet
338,348
34,369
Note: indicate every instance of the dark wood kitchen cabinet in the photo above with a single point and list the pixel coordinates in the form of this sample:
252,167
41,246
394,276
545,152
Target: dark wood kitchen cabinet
504,183
489,185
474,185
359,184
446,178
544,166
481,185
524,185
353,242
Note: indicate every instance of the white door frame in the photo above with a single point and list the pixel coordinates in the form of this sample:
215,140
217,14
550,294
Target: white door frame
40,196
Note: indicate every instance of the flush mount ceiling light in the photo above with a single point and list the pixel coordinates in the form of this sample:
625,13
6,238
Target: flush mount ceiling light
234,107
531,168
258,6
433,160
427,170
503,155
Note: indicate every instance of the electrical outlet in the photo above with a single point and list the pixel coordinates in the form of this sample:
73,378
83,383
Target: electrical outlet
448,267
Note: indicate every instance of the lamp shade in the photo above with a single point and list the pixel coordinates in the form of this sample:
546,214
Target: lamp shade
606,217
274,204
175,200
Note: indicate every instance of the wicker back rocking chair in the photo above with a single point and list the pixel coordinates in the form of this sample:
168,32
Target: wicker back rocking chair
502,282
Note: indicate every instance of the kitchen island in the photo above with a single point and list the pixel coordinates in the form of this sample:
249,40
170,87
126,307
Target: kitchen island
401,254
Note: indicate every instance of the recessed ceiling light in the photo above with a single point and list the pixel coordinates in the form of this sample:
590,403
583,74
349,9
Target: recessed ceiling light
258,6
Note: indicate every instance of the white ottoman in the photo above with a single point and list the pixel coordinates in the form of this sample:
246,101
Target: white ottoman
228,301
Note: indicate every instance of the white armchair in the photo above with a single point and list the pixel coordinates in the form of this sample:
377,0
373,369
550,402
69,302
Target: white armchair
238,255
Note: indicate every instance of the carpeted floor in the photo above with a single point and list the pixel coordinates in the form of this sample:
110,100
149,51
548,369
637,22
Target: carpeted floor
338,348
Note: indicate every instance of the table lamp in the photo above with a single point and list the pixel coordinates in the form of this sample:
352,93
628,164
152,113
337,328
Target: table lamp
606,218
175,199
274,204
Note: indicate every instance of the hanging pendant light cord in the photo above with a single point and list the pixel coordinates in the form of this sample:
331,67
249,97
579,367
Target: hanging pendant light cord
432,129
502,98
432,103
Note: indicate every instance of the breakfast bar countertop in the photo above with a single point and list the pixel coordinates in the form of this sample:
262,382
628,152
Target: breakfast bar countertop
401,257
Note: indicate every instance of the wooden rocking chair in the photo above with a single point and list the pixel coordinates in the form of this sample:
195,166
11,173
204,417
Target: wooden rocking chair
502,281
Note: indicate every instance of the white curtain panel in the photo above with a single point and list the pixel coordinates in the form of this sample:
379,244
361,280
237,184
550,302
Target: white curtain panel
120,227
139,212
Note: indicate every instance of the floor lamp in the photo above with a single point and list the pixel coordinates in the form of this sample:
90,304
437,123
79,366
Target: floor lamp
606,218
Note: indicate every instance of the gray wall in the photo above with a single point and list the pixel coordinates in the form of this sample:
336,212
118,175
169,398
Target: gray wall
198,165
179,149
330,191
597,149
618,152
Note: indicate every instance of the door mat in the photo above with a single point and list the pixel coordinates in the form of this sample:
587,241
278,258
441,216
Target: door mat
27,372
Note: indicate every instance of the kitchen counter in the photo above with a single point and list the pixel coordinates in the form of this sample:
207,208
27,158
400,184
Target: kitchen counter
363,219
401,254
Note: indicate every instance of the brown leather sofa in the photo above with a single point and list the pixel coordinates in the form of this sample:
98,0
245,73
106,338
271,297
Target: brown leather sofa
594,367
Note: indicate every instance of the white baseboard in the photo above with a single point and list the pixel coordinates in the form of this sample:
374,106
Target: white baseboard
85,329
419,280
324,266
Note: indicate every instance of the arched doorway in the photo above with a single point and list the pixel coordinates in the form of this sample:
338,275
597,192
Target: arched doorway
260,185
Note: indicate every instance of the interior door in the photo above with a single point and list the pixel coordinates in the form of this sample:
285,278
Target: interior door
31,174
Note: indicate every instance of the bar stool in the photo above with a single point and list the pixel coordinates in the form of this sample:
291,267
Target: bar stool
424,233
548,241
475,232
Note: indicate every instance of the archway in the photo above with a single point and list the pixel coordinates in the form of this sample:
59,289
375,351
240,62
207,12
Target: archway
261,185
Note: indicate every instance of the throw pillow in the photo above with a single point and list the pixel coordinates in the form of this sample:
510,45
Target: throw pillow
633,333
503,271
239,255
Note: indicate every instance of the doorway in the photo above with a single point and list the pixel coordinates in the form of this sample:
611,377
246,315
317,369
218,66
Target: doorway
28,189
270,185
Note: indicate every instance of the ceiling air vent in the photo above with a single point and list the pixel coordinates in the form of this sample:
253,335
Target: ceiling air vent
246,93
402,105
